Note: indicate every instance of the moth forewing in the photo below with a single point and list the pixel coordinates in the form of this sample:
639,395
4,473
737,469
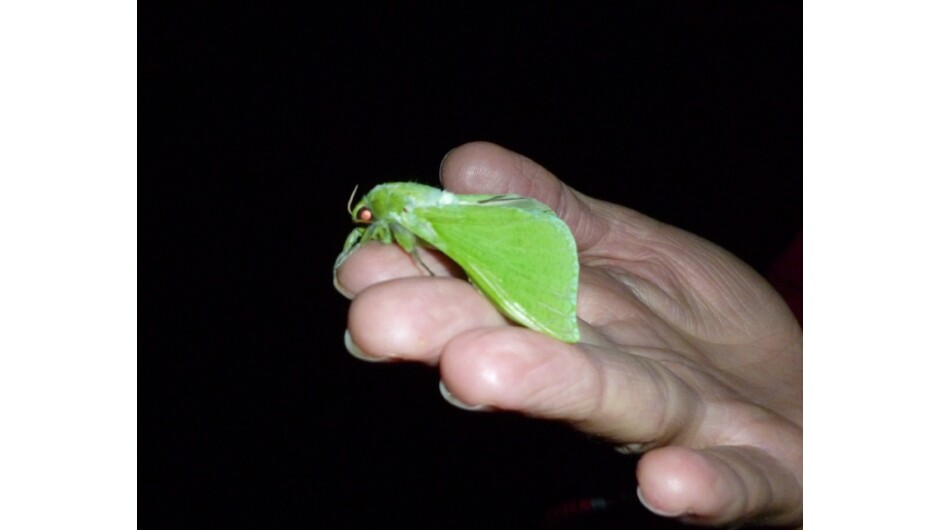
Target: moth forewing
524,261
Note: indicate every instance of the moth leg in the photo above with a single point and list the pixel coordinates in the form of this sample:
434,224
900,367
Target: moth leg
352,243
407,240
353,238
417,258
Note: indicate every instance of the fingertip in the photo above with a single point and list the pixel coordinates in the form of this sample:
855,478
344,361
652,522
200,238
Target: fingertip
484,366
339,286
381,318
357,352
670,479
718,485
654,508
453,400
487,168
375,263
473,168
513,368
371,263
440,169
413,318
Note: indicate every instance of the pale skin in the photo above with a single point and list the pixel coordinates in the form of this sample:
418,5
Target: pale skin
687,355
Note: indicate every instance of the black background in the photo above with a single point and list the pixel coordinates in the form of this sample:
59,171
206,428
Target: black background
258,122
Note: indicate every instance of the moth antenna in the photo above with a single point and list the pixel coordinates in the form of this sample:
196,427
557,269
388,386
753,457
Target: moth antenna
351,197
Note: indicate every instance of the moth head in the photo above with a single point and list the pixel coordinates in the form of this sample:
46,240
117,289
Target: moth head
361,214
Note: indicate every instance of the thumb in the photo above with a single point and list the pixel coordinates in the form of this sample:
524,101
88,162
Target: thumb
486,168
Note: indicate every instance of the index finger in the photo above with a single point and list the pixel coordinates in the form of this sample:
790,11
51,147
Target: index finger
376,262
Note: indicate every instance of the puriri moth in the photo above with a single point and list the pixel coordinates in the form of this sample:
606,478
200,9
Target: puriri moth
514,249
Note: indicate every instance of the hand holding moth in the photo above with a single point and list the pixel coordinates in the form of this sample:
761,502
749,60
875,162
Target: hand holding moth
685,353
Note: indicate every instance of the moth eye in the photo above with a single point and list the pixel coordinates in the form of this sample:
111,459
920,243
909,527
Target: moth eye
364,215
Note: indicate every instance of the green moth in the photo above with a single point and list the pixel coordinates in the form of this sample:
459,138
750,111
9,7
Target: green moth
513,248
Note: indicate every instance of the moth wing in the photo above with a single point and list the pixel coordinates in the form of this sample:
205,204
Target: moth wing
507,200
523,258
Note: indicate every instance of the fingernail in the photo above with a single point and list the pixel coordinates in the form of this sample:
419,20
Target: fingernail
340,288
450,398
632,448
660,513
440,168
358,353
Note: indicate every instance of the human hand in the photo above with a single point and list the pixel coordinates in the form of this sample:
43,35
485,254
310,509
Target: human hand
686,355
